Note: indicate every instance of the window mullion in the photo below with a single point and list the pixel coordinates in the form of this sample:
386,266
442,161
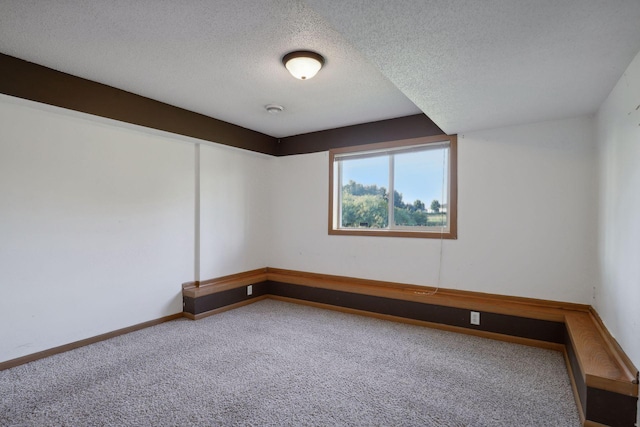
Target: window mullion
392,222
339,195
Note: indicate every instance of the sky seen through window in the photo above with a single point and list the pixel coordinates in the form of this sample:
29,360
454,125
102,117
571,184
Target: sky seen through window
418,175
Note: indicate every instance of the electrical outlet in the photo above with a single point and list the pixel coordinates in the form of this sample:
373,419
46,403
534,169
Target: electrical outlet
250,290
475,318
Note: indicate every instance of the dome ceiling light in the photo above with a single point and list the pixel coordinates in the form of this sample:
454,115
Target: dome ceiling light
274,108
303,64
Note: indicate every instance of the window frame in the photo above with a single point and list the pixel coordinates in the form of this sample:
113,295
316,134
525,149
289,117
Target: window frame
452,202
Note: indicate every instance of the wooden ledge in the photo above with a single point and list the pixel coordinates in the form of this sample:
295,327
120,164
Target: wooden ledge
212,286
602,363
514,306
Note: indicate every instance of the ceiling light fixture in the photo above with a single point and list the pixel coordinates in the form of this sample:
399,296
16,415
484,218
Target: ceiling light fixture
303,64
274,108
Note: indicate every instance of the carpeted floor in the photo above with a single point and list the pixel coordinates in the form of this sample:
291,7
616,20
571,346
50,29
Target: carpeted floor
274,363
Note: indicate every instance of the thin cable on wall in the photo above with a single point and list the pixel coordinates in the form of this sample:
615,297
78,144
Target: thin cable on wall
442,229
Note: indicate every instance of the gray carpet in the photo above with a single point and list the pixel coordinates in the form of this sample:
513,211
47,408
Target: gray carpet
274,363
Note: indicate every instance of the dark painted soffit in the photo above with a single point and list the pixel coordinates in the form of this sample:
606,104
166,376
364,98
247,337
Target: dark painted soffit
35,82
415,126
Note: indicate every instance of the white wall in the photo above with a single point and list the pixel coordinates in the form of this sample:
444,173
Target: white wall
97,223
234,213
617,297
527,210
96,227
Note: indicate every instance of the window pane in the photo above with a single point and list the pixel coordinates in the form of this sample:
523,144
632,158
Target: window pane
364,200
421,188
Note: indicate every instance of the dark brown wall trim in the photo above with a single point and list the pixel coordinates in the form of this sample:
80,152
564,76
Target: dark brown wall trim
214,301
574,371
27,80
407,127
541,330
610,409
35,82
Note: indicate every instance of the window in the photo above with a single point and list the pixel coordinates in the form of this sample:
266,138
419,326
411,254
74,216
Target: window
402,188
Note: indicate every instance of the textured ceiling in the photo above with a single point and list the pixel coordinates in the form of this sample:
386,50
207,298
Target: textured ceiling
467,65
220,58
473,65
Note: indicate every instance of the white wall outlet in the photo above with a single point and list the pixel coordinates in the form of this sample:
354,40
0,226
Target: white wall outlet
249,289
475,318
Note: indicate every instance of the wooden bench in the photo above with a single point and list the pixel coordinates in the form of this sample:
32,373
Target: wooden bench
604,380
